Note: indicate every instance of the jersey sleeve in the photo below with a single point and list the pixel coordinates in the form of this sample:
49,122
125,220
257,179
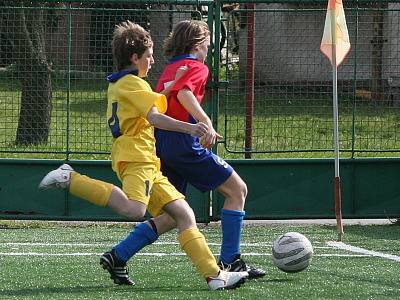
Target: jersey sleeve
195,76
145,100
138,98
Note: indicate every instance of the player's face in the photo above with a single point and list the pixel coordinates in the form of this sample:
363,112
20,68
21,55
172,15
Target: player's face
143,64
202,49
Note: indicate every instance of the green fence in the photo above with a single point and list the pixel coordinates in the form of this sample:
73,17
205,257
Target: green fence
55,55
54,59
278,189
293,81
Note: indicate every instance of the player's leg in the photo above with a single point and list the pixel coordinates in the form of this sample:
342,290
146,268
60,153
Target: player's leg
234,190
120,203
144,233
147,232
207,171
102,194
137,181
194,244
184,156
192,241
92,190
163,198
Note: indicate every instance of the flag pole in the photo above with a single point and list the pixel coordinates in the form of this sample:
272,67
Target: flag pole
336,45
337,184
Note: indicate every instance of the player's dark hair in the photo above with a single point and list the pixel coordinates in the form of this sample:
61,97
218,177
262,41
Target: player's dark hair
185,36
129,38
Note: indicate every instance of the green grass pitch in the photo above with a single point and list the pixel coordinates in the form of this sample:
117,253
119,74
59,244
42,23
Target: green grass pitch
41,260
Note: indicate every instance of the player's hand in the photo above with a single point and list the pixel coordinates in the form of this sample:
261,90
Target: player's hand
181,70
210,138
199,129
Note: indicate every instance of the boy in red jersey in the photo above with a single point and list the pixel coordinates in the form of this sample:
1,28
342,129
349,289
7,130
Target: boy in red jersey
183,158
133,112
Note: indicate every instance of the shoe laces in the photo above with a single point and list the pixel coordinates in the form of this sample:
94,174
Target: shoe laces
59,184
225,267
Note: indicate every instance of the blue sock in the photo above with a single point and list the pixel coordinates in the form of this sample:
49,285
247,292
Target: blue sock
231,222
141,236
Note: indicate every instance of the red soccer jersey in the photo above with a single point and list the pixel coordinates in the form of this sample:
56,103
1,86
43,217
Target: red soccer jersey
194,79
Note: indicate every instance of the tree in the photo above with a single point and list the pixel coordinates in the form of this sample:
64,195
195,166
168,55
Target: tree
26,34
377,85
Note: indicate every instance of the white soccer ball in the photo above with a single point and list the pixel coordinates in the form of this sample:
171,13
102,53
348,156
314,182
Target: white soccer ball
292,252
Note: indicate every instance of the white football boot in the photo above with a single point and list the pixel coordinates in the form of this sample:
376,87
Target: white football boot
58,178
227,280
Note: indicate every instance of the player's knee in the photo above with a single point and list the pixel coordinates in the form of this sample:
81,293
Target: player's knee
241,195
182,213
238,189
235,194
169,222
164,223
134,213
185,213
243,189
130,208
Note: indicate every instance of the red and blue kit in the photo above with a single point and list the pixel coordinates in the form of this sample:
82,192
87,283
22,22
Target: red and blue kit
194,79
183,159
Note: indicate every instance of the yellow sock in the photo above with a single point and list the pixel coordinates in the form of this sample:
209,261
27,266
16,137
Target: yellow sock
92,190
194,244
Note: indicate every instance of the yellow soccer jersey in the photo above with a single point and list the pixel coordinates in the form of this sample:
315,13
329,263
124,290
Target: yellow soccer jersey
130,98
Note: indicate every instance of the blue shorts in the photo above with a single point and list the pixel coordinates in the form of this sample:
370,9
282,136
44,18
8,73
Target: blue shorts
184,160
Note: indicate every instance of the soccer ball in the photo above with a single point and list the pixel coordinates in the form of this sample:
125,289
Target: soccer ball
292,252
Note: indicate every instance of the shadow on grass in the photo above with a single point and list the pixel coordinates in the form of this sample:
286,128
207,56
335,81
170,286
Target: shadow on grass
52,290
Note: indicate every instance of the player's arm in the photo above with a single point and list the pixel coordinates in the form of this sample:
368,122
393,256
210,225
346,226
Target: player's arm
169,85
167,123
190,103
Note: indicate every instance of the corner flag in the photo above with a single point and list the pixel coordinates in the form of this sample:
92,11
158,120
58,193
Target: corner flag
336,37
335,45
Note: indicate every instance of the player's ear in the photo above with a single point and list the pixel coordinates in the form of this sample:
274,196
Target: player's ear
134,59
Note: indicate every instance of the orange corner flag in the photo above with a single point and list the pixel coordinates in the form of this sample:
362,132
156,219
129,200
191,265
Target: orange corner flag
335,33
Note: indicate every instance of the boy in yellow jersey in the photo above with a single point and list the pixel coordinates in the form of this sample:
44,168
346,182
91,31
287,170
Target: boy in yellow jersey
133,111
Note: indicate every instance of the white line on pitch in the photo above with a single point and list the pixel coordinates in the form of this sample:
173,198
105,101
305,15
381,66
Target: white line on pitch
110,245
152,254
103,244
343,246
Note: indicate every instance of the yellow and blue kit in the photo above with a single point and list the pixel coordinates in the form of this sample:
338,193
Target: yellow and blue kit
133,152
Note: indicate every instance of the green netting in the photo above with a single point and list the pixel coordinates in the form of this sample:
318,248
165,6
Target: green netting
55,55
292,107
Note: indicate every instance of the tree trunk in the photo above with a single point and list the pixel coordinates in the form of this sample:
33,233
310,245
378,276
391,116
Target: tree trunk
35,111
377,54
34,73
